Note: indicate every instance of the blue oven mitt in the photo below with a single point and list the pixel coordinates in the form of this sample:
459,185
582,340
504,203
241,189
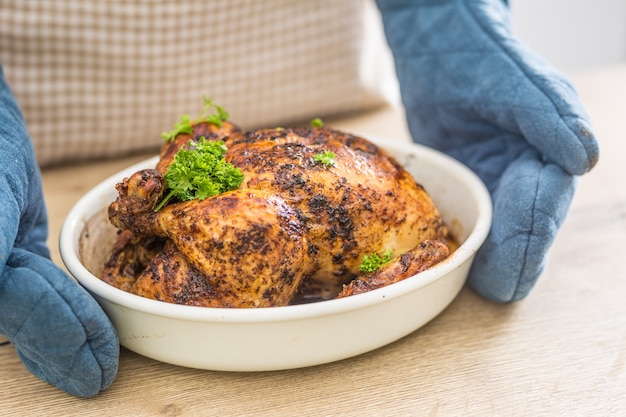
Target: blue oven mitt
59,331
473,91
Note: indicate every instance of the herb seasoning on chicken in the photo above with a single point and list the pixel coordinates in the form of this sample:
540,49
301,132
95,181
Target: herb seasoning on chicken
297,228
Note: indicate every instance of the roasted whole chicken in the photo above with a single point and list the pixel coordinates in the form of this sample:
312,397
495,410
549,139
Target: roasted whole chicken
295,230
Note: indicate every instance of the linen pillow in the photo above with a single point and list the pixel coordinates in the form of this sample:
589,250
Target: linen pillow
99,78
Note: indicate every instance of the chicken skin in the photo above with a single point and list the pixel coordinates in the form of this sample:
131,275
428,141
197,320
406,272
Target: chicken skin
294,227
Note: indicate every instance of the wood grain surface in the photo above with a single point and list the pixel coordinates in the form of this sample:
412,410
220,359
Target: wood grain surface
560,352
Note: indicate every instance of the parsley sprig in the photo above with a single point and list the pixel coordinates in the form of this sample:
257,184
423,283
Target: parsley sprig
199,171
374,261
317,122
326,158
211,113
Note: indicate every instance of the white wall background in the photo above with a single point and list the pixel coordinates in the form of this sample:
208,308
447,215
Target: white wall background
573,35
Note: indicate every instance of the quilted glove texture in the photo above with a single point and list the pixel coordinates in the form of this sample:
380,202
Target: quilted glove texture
59,331
473,91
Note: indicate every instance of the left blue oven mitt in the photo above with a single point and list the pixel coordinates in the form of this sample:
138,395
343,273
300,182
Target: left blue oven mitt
472,91
59,331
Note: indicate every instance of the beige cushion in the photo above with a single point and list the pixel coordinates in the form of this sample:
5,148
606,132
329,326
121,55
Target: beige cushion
99,78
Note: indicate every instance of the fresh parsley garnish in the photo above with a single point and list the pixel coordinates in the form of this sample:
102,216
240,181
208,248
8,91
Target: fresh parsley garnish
182,126
211,113
198,171
374,261
326,158
317,122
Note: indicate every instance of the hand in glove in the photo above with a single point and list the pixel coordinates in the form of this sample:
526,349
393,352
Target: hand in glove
474,92
59,331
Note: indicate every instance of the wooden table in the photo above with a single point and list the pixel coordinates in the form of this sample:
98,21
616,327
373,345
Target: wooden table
560,352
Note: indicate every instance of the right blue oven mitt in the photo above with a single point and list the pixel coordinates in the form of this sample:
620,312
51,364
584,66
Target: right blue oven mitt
472,91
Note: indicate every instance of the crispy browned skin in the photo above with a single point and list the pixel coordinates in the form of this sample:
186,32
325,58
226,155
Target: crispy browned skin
366,203
249,245
428,253
171,278
129,257
293,223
